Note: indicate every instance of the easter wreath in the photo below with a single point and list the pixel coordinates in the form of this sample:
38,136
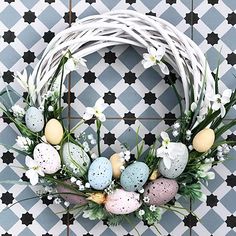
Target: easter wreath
112,189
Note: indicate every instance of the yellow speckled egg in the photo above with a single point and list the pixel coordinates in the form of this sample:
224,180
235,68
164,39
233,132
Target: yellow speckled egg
53,131
204,140
117,162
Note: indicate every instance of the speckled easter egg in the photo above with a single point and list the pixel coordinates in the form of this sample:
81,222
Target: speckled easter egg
121,202
161,191
100,173
134,176
117,162
71,198
75,158
47,157
53,131
178,164
204,140
34,119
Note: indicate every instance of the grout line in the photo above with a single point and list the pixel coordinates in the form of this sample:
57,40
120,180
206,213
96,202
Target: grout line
68,115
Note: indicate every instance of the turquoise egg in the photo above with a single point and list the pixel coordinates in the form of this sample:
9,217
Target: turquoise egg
75,159
134,176
34,119
100,173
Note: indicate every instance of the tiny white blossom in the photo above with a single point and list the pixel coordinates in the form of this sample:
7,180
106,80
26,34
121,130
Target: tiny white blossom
87,185
204,171
94,156
49,197
141,212
97,111
81,187
190,147
67,204
50,108
146,199
85,144
18,111
34,170
141,190
57,200
86,149
152,208
193,106
154,57
188,132
79,182
176,125
73,179
24,142
73,63
175,133
219,101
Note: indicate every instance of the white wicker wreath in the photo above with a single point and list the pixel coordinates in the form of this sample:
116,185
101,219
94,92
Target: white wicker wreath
112,189
93,33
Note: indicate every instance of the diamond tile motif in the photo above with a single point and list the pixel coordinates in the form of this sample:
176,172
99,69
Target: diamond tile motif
137,98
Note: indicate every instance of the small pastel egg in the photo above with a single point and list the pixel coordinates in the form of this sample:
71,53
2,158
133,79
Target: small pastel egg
178,163
204,140
47,157
117,162
134,176
53,131
71,198
121,202
161,191
34,119
75,159
100,173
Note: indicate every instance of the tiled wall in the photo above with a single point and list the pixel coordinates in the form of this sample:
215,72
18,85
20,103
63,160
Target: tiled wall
137,97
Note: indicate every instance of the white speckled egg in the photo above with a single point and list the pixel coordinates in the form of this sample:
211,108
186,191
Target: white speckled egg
47,157
75,158
121,202
34,119
161,191
53,131
204,140
71,198
134,176
178,164
117,162
100,173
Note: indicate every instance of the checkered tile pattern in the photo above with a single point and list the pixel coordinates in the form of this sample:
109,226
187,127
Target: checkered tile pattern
137,98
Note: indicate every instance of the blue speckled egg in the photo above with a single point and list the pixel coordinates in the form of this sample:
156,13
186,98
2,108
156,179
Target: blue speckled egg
75,159
34,119
134,176
100,173
178,164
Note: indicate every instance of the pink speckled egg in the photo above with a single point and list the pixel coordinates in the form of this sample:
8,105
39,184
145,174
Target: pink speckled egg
161,191
71,198
121,202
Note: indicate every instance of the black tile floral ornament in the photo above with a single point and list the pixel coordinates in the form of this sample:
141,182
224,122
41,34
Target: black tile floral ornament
112,189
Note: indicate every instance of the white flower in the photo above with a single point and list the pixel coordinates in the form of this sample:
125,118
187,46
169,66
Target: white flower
67,204
24,142
204,171
176,125
73,63
146,199
175,133
73,179
188,132
94,156
97,110
81,187
141,212
165,150
34,170
85,144
50,108
154,57
193,106
18,111
79,182
152,208
127,155
141,190
219,101
190,147
87,185
57,200
49,197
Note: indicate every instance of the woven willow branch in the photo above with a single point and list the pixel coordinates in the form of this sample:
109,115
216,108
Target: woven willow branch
93,33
